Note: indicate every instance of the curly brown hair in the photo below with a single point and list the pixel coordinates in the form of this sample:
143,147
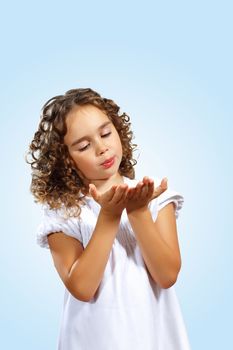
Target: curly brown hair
55,180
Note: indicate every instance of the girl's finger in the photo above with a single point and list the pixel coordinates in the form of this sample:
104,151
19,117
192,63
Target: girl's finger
150,188
147,189
119,192
111,192
160,189
163,184
139,189
130,193
146,179
125,194
93,192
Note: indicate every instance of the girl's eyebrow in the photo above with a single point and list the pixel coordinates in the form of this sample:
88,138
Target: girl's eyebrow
85,137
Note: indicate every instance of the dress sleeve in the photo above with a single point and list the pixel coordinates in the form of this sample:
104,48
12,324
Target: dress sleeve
53,221
168,196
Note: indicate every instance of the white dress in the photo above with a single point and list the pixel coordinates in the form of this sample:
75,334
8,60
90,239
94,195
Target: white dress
130,311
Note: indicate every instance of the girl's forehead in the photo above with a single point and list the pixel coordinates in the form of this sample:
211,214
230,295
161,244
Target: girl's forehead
87,111
85,117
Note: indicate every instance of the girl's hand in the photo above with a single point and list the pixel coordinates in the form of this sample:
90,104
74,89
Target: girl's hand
112,201
139,197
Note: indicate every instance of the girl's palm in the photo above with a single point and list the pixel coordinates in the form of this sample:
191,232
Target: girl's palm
139,197
113,200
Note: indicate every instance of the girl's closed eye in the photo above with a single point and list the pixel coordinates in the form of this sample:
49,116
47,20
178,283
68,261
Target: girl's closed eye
106,134
85,147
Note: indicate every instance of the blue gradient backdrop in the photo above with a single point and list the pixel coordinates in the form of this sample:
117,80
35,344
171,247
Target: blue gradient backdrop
169,66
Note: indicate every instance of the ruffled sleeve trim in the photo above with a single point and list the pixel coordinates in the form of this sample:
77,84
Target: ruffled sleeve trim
171,196
168,196
53,221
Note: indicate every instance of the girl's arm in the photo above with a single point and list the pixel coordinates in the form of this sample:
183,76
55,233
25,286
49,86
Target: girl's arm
82,270
87,272
157,240
158,243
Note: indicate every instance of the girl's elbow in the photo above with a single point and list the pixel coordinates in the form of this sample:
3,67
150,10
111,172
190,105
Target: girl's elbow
77,292
169,282
81,297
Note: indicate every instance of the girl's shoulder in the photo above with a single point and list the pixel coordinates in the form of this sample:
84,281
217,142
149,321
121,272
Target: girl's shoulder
59,220
64,213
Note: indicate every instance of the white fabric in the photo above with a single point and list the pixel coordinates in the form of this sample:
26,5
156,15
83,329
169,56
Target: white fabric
130,311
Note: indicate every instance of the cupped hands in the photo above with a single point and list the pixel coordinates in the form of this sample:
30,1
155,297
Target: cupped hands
133,199
139,196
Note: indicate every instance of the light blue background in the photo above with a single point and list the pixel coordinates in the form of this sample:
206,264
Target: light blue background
169,66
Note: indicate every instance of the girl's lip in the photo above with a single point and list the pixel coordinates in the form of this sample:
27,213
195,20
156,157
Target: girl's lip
109,162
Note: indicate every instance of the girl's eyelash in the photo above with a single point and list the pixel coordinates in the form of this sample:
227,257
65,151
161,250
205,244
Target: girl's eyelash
83,149
105,135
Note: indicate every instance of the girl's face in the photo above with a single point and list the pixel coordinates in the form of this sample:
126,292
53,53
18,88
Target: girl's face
92,139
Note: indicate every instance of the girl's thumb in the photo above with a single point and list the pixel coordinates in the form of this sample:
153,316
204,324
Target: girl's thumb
92,191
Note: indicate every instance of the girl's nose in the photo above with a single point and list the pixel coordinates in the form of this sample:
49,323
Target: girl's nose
101,147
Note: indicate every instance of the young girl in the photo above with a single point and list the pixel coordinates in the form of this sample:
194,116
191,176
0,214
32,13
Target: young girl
113,239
